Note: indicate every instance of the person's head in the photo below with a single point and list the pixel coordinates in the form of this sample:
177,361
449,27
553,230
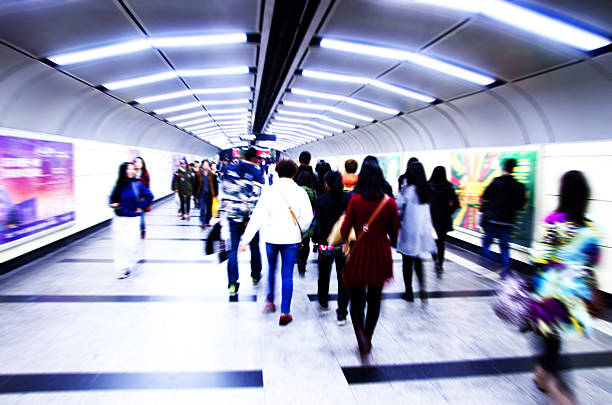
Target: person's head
286,168
509,165
351,166
250,155
140,164
438,175
415,175
196,164
183,163
127,171
333,183
574,194
213,165
192,166
371,181
304,179
410,161
304,158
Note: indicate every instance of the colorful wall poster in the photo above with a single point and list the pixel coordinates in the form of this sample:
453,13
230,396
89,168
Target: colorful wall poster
472,172
391,167
36,188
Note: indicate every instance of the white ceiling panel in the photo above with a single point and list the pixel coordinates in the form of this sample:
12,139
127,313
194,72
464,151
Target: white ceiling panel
220,56
54,26
163,17
395,23
131,93
350,64
501,51
220,81
596,13
323,85
389,99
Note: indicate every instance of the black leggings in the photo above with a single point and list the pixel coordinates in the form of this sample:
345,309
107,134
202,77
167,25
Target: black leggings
325,262
439,257
302,255
407,264
549,354
359,297
185,204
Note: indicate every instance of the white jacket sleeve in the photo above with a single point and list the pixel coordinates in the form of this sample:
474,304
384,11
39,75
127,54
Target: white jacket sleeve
257,219
305,211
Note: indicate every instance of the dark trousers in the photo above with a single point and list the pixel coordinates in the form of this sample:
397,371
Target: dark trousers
549,354
408,263
236,231
185,204
325,262
359,297
205,208
439,256
302,255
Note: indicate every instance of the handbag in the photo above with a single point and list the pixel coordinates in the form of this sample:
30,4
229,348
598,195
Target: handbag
214,208
350,245
512,302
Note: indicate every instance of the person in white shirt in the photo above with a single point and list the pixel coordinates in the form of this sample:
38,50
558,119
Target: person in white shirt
282,212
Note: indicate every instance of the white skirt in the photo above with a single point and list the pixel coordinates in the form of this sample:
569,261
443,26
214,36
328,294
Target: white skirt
126,241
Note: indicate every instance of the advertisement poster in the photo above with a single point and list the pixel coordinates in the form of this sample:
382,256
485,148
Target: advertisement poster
36,188
391,167
472,172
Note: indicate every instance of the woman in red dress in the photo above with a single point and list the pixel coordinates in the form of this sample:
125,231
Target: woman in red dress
369,265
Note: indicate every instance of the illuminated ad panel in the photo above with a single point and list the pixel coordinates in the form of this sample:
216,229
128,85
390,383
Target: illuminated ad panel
36,188
472,172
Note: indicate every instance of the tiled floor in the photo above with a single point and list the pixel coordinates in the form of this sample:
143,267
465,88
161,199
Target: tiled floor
71,333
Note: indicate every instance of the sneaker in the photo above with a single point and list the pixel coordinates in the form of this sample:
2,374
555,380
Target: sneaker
125,275
269,308
340,318
408,296
233,290
324,308
256,280
285,319
143,234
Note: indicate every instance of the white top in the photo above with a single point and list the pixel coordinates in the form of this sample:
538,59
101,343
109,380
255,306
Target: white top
272,214
416,230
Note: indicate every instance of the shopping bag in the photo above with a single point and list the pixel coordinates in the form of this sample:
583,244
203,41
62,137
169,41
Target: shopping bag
213,236
223,250
512,302
215,207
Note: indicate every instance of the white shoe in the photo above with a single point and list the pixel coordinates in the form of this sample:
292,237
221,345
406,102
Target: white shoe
125,275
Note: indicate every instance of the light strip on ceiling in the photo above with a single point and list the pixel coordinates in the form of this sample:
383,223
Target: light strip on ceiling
317,116
284,119
528,20
142,44
315,74
218,118
320,107
178,94
338,97
299,127
199,104
158,77
416,58
296,134
211,112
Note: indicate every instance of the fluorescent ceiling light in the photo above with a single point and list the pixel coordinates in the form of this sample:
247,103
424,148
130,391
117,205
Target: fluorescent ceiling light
299,127
199,104
419,59
319,107
345,99
317,116
218,118
402,91
211,112
178,94
137,81
307,122
192,122
295,134
530,21
201,126
142,44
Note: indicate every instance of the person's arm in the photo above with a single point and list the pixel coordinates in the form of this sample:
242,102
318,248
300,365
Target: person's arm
146,197
454,200
175,181
257,219
393,224
349,220
111,202
304,213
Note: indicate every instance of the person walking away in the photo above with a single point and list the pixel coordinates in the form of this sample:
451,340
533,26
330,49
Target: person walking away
241,188
415,236
128,199
328,209
182,184
373,216
305,181
305,170
321,169
401,180
205,193
142,174
282,212
195,169
443,204
565,255
349,178
500,202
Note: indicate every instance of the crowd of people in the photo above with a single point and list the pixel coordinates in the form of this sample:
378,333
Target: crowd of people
354,220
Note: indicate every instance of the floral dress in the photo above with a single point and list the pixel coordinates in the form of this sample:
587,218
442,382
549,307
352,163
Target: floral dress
565,257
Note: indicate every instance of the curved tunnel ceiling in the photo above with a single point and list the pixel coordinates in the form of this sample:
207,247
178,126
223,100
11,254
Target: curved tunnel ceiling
356,75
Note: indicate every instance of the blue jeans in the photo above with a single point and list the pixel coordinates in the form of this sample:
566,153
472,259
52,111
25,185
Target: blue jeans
142,222
503,235
205,202
288,254
236,231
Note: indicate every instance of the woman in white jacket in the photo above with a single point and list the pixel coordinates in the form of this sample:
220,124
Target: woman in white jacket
415,237
282,212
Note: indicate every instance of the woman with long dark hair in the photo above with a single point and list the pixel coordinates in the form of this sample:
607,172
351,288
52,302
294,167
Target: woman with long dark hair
415,236
443,204
328,209
373,216
565,285
129,198
307,182
142,175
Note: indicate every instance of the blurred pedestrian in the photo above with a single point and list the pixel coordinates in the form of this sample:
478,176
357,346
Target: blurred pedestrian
142,174
443,204
349,178
306,181
182,184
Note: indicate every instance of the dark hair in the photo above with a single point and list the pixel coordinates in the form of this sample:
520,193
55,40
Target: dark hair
322,168
305,157
334,183
250,154
371,181
438,175
351,166
144,165
509,165
122,180
415,175
574,194
305,179
286,168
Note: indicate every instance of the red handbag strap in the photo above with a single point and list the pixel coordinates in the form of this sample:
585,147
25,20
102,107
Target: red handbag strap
367,225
